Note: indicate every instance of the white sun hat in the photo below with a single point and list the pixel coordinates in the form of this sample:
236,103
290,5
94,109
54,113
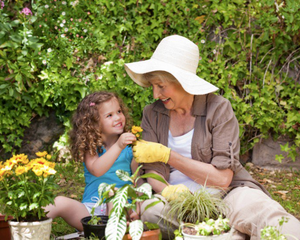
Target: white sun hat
178,56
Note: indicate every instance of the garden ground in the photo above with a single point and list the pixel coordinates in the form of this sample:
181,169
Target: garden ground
283,185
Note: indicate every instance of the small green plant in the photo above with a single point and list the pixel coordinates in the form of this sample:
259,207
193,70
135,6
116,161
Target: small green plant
274,233
198,206
95,219
199,213
125,200
209,226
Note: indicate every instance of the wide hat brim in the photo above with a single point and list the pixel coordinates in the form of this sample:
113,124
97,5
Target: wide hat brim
190,82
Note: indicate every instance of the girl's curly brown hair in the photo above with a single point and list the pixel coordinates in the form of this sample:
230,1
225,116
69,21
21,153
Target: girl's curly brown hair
85,135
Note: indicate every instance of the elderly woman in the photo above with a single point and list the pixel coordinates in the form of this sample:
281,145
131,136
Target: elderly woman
192,139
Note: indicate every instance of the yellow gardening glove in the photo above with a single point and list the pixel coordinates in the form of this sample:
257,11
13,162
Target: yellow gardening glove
150,152
172,192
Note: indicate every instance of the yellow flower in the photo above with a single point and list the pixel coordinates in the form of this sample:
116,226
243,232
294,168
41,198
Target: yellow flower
49,171
51,164
1,174
39,161
20,158
25,160
41,154
9,164
48,156
20,170
136,129
37,171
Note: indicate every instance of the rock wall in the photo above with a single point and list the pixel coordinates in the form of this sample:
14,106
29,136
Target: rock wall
40,136
264,154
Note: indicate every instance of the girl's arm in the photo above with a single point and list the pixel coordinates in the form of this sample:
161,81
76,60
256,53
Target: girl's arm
100,165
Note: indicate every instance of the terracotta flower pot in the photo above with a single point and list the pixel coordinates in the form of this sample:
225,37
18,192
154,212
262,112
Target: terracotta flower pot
147,235
4,228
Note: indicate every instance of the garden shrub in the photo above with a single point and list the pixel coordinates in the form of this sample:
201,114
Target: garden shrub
52,58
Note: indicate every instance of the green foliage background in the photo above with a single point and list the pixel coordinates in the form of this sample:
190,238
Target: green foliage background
51,59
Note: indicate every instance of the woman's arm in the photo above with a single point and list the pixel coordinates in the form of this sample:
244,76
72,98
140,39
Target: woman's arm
157,186
202,173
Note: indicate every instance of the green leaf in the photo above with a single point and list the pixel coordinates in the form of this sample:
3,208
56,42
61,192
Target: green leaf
153,204
154,176
69,63
146,189
120,200
116,227
123,175
23,206
33,206
103,190
151,226
136,229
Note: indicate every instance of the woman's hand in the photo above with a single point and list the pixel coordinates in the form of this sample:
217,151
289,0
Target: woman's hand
172,192
149,152
125,139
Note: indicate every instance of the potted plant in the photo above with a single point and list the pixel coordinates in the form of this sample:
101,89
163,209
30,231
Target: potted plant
125,200
26,187
201,215
94,225
274,233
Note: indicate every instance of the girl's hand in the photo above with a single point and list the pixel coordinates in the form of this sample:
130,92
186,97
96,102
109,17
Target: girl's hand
125,139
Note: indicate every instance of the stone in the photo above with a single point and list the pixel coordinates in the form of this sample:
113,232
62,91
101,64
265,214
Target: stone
40,135
264,154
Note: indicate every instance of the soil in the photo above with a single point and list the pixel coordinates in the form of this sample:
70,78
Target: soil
189,230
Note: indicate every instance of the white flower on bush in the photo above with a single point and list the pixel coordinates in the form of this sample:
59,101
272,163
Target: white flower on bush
64,21
61,25
46,6
44,62
49,50
214,51
74,3
108,63
63,35
202,41
64,2
85,30
66,29
63,13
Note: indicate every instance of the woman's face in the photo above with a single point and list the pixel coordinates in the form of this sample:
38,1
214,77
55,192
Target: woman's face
171,94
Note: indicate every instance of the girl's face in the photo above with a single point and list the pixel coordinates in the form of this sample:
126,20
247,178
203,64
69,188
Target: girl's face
171,94
112,119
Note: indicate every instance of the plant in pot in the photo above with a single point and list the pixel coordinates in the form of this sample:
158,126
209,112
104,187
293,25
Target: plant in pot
125,201
94,225
26,187
200,214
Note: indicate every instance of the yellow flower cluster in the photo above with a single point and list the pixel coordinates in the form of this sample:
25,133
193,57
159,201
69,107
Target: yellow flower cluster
136,130
20,164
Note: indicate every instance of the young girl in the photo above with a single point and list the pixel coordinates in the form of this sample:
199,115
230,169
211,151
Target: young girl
99,139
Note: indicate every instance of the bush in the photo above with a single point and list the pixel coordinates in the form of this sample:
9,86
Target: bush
52,58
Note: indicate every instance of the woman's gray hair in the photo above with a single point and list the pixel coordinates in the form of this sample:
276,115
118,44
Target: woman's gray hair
161,75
